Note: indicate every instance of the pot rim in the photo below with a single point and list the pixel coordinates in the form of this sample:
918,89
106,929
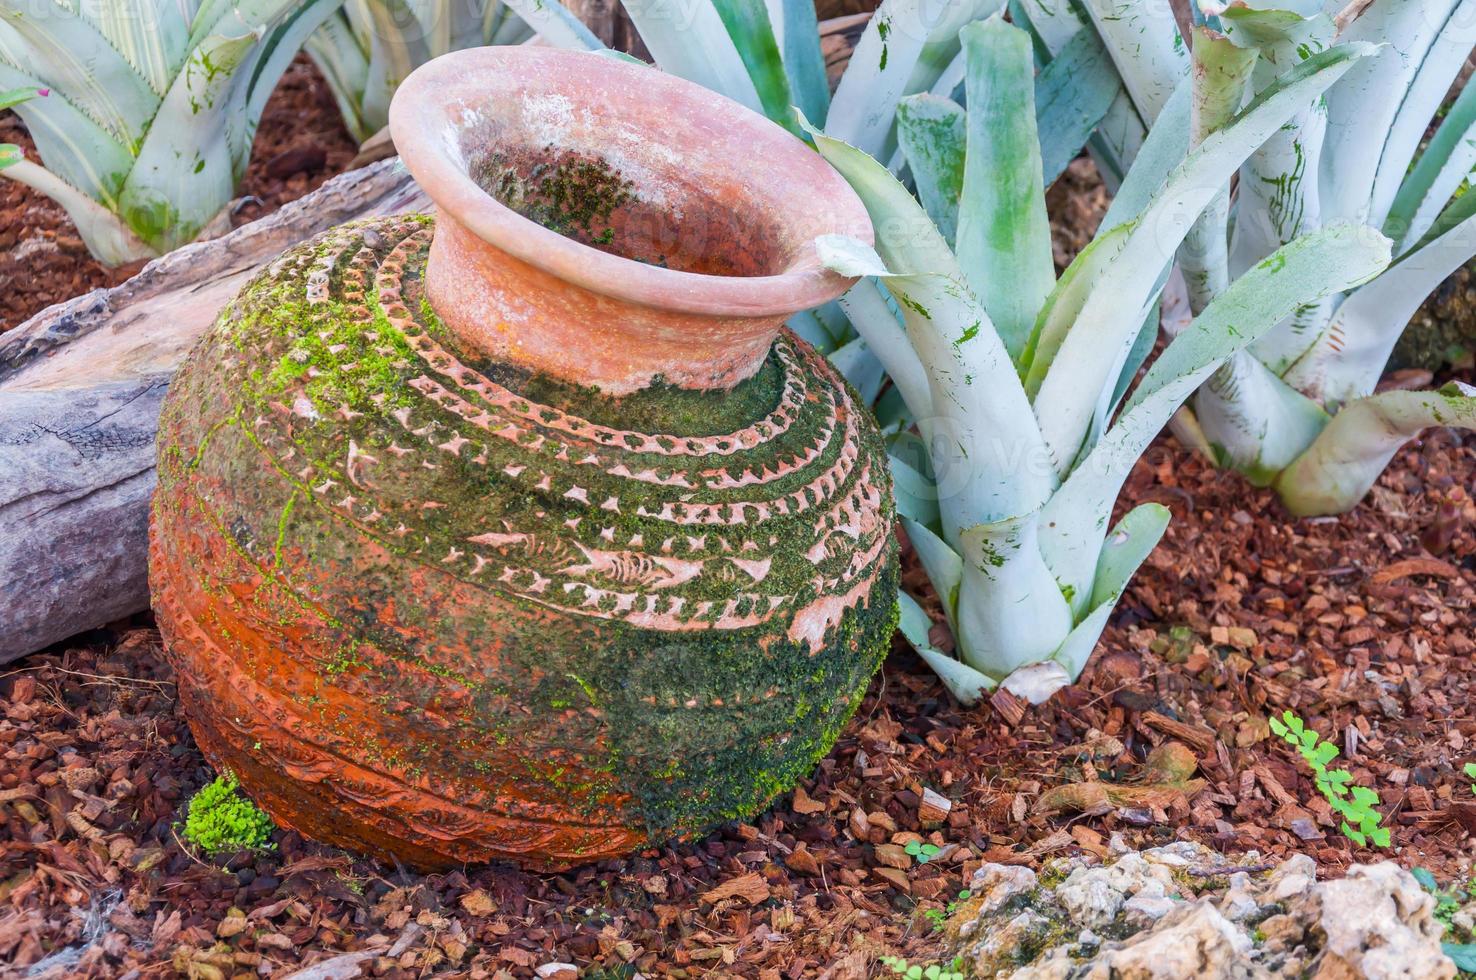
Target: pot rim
424,135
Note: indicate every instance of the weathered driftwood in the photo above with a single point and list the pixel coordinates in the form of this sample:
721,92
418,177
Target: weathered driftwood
80,388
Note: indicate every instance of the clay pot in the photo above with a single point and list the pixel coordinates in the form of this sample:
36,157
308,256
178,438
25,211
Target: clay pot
489,537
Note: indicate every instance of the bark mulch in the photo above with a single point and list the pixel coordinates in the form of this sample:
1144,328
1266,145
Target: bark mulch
1361,624
300,143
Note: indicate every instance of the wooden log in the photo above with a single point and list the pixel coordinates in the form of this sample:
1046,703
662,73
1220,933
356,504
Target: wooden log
80,388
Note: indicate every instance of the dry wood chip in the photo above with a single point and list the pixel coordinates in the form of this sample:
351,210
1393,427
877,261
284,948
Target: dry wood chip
1201,738
752,888
478,903
1414,566
1010,707
802,861
803,804
895,877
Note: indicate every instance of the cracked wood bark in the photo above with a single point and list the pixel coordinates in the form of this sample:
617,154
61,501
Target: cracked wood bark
80,388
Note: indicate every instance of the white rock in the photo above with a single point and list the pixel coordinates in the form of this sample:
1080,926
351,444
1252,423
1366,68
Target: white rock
1144,909
1380,924
1291,878
1180,854
1194,940
1239,901
1093,897
1000,948
996,884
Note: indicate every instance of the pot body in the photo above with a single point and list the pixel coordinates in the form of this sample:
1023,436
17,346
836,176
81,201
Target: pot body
432,605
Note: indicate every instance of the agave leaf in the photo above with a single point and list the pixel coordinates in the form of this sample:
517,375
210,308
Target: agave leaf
501,26
933,134
860,368
1279,191
942,564
67,53
753,36
1347,360
1072,95
1161,151
1333,475
1004,237
917,497
401,41
105,234
906,47
976,398
15,96
862,111
149,34
1062,307
1144,40
962,681
691,40
1433,78
1086,368
940,67
1010,610
878,325
10,155
1362,110
1442,168
1126,548
1222,72
1327,261
552,20
1053,23
1258,422
799,35
165,203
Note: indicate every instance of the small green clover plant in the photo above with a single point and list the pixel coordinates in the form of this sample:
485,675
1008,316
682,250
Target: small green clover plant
922,852
937,917
1470,771
1355,804
220,820
912,971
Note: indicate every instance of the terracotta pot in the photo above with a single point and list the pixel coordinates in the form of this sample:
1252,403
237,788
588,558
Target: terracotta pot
487,537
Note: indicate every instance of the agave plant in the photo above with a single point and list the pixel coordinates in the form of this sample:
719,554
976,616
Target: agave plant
152,109
1297,411
1019,382
369,46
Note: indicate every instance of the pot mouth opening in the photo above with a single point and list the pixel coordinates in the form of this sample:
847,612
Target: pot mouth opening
668,223
625,181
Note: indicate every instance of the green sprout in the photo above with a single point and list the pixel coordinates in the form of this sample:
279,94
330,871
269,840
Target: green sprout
923,852
1355,804
911,971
